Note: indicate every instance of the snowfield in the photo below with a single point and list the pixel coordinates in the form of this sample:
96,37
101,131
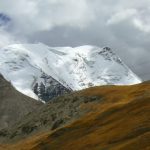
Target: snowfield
74,68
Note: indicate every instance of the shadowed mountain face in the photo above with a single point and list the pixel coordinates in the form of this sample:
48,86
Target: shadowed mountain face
13,105
99,118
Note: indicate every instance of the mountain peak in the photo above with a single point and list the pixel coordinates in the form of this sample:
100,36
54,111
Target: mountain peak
65,68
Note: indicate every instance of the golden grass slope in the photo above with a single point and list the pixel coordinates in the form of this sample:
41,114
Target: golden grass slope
120,121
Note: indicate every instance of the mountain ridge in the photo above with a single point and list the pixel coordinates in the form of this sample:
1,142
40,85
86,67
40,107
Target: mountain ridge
98,118
65,69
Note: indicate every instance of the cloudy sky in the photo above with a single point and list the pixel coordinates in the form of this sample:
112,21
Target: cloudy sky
123,25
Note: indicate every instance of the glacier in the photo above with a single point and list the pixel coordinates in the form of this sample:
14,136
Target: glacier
66,68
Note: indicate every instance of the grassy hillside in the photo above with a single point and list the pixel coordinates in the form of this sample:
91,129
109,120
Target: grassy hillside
118,120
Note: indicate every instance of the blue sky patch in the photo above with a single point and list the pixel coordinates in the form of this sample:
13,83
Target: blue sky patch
4,19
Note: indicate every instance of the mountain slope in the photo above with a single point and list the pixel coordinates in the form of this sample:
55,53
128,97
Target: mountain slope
13,105
44,72
114,118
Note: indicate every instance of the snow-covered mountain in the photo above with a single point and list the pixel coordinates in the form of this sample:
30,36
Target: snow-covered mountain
38,70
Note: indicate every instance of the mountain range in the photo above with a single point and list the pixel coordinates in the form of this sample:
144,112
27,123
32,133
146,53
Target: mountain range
97,118
44,72
63,98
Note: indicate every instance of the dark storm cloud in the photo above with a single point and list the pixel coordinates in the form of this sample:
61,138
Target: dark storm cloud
123,25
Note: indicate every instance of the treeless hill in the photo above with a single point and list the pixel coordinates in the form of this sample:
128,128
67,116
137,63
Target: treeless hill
13,104
119,120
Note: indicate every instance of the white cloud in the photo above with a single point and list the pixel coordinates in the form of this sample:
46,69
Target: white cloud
121,16
29,16
141,25
5,38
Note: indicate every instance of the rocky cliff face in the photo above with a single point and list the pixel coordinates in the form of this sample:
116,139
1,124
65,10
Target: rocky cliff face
47,88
